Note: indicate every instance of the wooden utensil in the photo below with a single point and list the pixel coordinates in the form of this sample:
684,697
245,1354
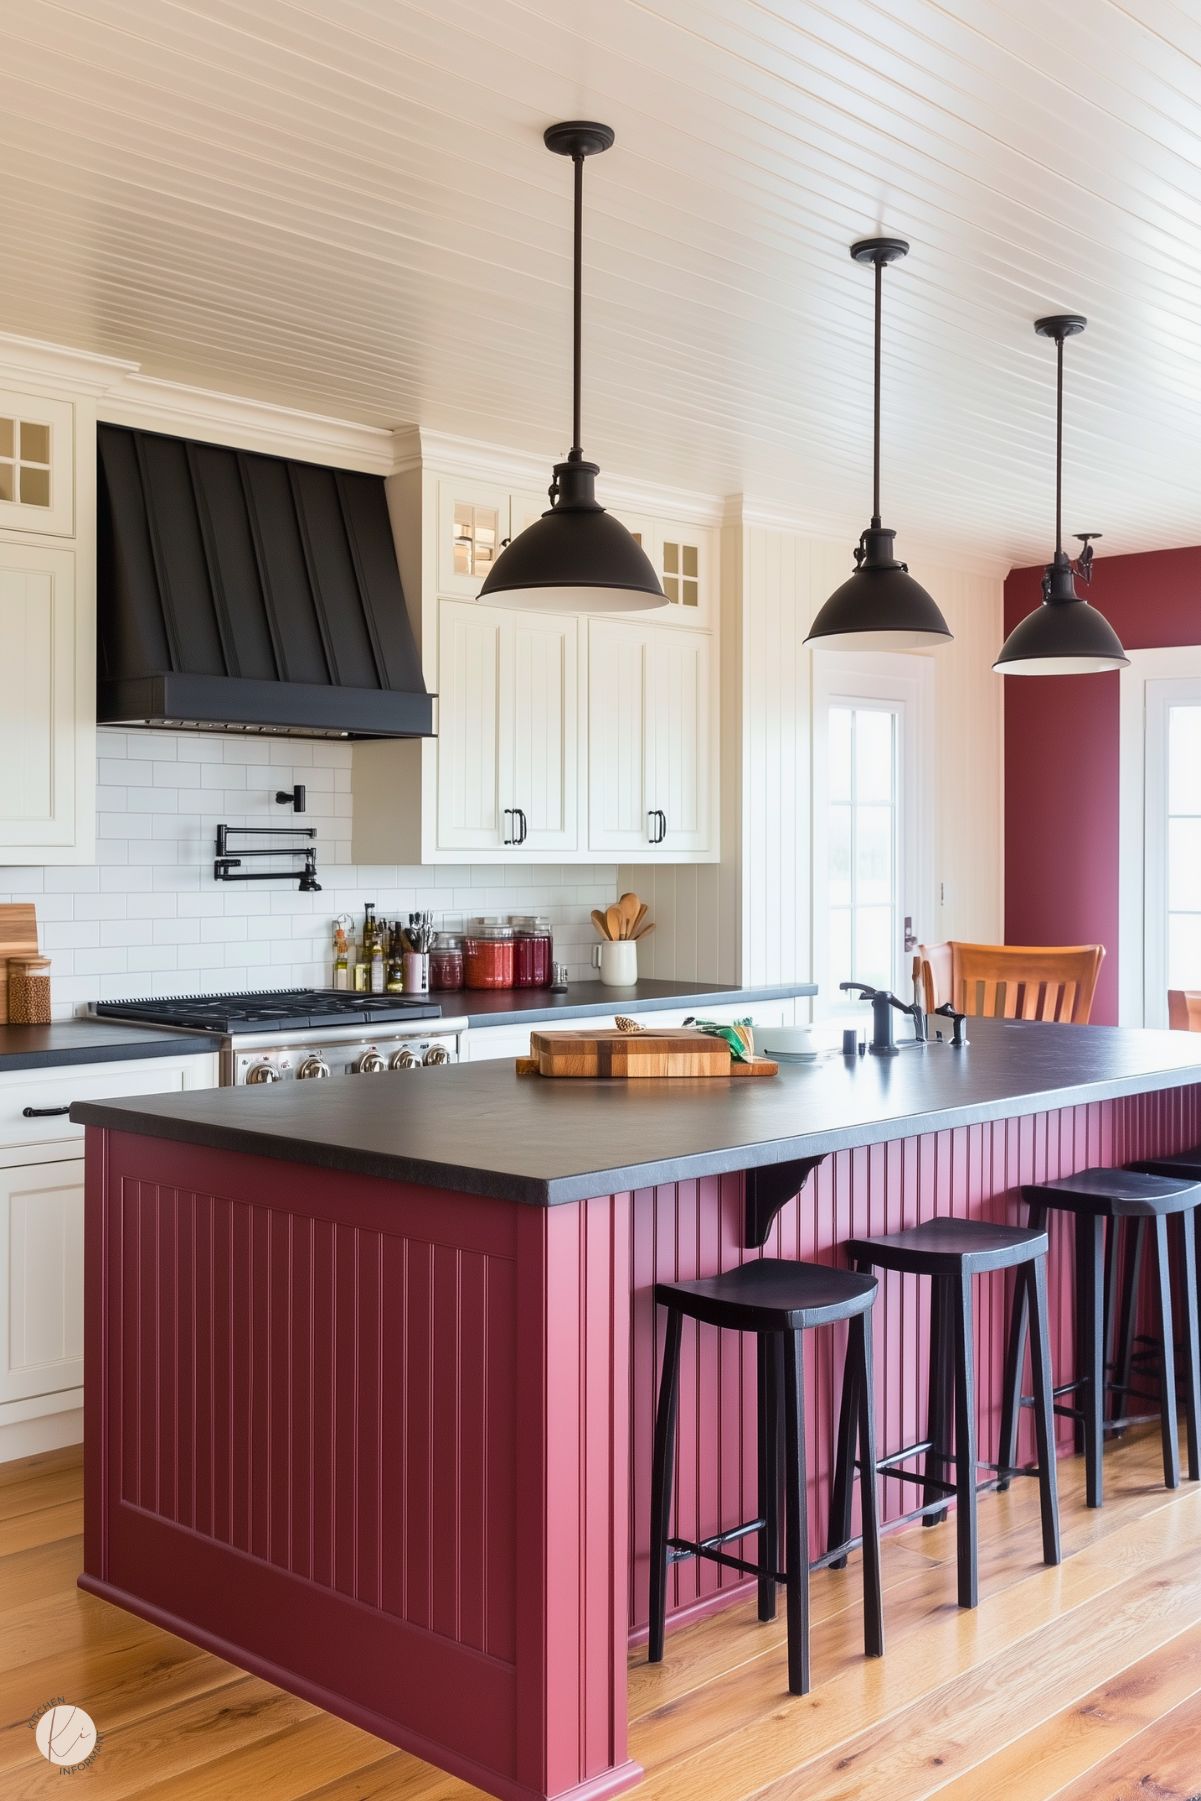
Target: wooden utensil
646,930
613,921
600,922
18,938
638,921
629,906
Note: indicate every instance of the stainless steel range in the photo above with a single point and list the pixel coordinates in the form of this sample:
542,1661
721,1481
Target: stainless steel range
303,1034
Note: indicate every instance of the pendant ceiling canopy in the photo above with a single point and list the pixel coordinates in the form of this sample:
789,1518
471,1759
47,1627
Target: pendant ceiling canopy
881,606
576,557
1064,635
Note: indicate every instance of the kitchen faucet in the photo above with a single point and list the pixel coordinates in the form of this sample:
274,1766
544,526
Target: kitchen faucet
883,1002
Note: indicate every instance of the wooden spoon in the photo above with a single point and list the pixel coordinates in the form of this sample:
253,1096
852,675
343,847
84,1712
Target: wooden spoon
638,921
629,906
613,921
601,923
646,930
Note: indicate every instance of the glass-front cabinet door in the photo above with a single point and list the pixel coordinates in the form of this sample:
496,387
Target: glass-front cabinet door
37,452
473,527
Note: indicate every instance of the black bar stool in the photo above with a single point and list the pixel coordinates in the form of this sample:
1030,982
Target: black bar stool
778,1301
953,1252
1111,1197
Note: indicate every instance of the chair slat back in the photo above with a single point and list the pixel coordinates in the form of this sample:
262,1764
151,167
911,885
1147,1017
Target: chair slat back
1184,1009
1015,981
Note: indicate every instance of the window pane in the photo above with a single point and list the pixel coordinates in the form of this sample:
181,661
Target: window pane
1184,950
873,756
35,486
1184,760
873,856
6,437
840,856
873,946
839,752
1184,864
35,442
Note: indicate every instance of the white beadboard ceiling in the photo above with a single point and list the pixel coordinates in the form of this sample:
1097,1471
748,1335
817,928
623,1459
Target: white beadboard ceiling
345,206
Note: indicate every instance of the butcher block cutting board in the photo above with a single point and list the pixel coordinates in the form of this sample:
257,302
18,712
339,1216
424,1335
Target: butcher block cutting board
662,1052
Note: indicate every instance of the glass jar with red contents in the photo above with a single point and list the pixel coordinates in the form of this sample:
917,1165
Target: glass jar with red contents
488,953
446,962
532,951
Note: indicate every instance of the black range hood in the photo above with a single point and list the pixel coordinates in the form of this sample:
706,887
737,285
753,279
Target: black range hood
239,592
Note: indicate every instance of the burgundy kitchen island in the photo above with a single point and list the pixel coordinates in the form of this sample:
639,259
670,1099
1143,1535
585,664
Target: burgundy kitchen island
370,1365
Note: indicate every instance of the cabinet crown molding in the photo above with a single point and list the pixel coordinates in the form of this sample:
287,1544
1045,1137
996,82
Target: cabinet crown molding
55,369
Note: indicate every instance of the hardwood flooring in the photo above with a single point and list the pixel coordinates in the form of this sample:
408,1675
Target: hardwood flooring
1082,1683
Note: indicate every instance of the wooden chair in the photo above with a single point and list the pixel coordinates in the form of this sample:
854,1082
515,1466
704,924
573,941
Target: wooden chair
1013,981
1184,1009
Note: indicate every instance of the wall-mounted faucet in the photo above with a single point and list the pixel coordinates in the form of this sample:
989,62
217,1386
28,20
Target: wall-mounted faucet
306,878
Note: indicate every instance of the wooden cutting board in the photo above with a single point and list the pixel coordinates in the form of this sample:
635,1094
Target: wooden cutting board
18,938
662,1052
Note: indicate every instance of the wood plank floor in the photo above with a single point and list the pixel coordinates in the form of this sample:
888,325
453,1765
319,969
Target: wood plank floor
1082,1683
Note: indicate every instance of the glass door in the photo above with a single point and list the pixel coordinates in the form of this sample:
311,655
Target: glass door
871,840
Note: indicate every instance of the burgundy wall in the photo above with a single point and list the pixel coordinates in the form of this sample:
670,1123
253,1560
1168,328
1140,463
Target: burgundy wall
1061,762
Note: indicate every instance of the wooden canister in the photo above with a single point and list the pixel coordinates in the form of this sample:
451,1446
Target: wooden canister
29,991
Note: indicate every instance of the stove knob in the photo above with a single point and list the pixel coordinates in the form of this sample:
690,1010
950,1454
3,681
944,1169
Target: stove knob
370,1063
404,1060
437,1053
311,1068
262,1072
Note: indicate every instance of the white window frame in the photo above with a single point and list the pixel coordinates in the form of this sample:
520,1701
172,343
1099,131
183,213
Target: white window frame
1154,680
904,684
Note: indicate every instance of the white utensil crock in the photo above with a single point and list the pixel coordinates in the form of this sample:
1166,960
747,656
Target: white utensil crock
617,961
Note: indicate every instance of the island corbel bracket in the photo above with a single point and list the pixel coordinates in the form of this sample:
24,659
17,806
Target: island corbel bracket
770,1188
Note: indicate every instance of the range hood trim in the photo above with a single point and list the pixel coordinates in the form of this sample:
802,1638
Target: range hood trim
216,703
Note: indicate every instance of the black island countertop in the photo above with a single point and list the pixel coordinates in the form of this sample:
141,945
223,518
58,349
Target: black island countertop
480,1128
587,1000
71,1041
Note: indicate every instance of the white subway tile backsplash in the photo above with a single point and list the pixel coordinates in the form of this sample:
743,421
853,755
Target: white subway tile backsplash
148,918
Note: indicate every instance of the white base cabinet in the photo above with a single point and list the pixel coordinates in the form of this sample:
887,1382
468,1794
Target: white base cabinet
41,1239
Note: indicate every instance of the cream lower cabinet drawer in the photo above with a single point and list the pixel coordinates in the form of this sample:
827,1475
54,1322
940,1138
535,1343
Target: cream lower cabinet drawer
34,1103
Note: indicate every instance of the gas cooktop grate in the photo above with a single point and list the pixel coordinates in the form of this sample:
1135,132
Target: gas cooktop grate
270,1009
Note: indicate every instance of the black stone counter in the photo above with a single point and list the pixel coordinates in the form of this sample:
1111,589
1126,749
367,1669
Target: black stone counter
480,1128
585,1000
91,1041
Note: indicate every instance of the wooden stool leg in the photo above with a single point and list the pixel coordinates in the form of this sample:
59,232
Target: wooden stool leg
965,1440
1167,1369
873,1594
769,1470
843,1484
662,1470
1134,1233
1015,1356
1192,1400
938,1409
1035,1280
1090,1339
796,1514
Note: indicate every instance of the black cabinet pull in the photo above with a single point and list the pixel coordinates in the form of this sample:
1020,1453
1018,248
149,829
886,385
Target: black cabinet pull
661,816
44,1112
520,812
508,837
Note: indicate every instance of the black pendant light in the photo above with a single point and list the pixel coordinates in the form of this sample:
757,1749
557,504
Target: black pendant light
1065,635
880,607
577,556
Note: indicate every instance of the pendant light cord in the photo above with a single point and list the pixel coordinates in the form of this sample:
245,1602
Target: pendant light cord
576,453
876,384
1059,449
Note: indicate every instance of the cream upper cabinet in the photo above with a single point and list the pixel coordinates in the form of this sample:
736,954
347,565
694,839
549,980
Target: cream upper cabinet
685,560
650,741
37,465
473,526
508,738
46,711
